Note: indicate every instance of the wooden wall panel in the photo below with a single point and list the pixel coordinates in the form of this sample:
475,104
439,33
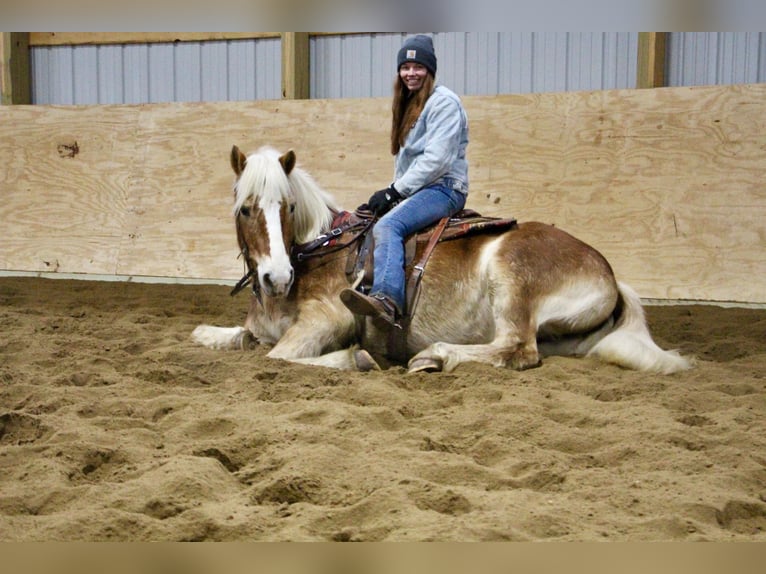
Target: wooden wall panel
102,38
64,178
15,77
668,183
180,220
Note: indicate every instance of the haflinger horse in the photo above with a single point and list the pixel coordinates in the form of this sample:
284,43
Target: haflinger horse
506,299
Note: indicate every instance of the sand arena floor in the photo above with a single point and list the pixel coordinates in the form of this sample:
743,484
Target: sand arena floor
115,426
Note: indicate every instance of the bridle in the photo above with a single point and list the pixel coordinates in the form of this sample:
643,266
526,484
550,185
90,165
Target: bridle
352,224
248,277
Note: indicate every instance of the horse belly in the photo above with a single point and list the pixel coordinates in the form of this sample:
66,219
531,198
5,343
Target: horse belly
577,306
465,323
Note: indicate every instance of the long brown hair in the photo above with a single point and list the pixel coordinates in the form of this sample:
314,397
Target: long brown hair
406,109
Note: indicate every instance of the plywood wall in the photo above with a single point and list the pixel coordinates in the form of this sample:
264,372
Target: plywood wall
670,184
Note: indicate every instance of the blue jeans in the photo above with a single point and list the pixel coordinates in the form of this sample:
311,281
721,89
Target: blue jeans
425,207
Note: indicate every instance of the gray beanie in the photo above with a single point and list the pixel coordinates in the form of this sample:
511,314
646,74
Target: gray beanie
419,49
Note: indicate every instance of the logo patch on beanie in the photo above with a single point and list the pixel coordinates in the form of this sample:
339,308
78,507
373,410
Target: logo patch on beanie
412,54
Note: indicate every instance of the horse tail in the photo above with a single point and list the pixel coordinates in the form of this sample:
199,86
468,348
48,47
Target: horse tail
630,345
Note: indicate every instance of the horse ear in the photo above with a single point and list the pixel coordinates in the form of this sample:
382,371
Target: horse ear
238,160
288,161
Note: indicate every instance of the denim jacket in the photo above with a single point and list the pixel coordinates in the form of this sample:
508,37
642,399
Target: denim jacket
434,151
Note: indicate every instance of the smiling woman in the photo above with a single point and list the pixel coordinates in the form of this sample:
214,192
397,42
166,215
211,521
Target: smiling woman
429,139
413,75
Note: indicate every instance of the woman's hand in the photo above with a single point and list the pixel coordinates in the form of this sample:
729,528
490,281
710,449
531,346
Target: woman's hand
383,200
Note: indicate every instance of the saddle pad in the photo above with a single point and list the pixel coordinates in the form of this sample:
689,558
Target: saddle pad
468,222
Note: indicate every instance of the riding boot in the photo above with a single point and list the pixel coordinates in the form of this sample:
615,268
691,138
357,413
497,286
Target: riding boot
382,310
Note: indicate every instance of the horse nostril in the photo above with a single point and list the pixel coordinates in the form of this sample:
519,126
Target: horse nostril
267,279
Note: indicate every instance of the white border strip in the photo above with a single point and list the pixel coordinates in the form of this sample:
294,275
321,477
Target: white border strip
121,278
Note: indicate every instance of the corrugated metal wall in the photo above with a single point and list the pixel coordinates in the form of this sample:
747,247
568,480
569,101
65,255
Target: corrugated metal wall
151,73
479,63
363,65
713,58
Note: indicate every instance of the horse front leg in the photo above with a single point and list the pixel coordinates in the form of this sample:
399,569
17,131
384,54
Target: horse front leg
232,338
349,359
224,337
319,330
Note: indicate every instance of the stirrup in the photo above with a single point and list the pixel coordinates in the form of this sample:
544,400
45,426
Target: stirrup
380,308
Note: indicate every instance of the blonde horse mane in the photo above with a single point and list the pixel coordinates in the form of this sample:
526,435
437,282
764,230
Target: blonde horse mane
264,180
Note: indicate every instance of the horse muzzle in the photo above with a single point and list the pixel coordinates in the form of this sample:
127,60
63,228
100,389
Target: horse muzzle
276,284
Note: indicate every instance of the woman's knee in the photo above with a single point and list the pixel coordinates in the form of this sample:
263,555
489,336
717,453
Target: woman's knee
387,229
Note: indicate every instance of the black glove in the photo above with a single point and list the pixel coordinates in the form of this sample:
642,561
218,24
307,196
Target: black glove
382,201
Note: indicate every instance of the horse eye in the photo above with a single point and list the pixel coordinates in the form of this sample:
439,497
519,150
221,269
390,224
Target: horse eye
244,211
292,208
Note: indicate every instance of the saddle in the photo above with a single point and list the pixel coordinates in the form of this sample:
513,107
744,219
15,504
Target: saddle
354,227
349,227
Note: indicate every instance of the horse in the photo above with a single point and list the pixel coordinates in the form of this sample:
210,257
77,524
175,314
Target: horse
506,299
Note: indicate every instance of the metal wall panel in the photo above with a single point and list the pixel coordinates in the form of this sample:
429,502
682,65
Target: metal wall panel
712,58
364,65
478,63
350,66
153,73
135,88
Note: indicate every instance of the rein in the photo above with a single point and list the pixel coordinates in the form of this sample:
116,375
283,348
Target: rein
247,278
242,283
344,222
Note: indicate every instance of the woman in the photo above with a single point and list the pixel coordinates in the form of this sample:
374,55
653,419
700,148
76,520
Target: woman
429,136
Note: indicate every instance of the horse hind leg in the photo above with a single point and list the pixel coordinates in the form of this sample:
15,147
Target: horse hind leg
514,345
577,345
505,351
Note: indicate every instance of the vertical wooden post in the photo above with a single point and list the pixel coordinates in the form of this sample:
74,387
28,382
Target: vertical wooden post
15,76
295,65
651,59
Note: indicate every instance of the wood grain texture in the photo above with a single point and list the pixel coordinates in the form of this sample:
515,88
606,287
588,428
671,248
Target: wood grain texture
64,176
15,76
180,220
100,38
652,52
668,183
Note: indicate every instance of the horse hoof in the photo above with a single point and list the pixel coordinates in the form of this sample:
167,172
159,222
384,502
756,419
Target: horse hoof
247,341
425,364
364,361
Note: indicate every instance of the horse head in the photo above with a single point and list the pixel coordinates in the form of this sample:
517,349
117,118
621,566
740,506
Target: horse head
264,206
276,205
